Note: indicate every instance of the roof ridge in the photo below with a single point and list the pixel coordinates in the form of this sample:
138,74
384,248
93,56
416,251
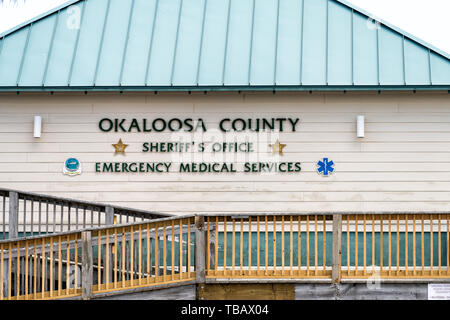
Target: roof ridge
39,17
395,28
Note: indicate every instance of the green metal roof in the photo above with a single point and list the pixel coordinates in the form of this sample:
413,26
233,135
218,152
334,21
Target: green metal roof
216,45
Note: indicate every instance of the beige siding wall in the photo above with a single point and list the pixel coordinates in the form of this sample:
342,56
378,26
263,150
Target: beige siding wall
403,163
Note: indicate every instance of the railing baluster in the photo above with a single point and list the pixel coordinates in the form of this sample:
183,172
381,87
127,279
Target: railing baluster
34,269
123,244
208,245
282,245
373,244
189,248
59,266
99,260
76,262
180,249
4,224
68,265
46,217
216,246
68,217
26,257
299,244
422,246
140,256
249,245
51,268
365,244
241,248
148,255
274,245
307,245
172,253
224,245
54,218
266,244
132,260
17,293
9,270
356,245
315,246
398,244
107,265
40,208
62,217
156,251
233,251
414,244
164,251
431,245
76,217
31,219
24,221
324,240
2,262
406,244
448,244
348,245
381,245
439,244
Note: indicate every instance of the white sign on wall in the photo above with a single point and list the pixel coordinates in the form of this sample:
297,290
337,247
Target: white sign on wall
439,291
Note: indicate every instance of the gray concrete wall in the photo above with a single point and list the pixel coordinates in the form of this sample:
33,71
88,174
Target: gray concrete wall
361,291
347,291
176,293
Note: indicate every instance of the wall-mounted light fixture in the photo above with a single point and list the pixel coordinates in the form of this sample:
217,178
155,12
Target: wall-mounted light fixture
37,126
360,126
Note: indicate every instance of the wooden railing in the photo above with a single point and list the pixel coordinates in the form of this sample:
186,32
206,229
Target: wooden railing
27,214
396,246
269,246
96,261
329,247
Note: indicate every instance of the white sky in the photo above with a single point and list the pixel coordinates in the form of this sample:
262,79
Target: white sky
428,20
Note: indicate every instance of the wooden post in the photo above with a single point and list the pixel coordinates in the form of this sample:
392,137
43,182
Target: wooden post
13,224
87,265
109,219
200,249
337,248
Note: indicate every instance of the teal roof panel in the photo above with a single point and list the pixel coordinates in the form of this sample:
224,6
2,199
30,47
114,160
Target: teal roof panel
216,45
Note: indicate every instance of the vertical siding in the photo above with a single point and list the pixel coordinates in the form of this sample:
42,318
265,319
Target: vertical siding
401,164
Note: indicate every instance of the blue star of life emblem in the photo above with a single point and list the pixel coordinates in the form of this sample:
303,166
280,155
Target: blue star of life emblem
325,167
